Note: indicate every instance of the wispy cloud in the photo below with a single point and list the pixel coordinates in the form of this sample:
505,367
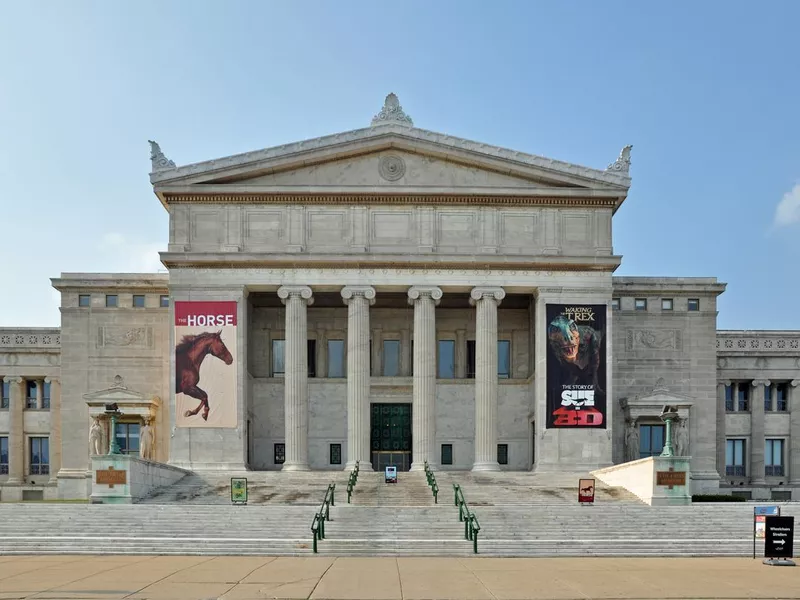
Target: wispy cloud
788,210
132,255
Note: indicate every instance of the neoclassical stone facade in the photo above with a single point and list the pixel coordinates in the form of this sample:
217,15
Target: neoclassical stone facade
391,288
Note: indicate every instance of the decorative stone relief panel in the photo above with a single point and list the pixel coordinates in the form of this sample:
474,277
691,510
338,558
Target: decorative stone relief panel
654,339
389,227
27,339
125,337
769,343
265,228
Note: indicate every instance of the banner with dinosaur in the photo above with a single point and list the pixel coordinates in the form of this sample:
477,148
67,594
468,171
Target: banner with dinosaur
576,365
205,364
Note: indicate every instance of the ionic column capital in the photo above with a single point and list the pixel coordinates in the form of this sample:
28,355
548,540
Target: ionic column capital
52,380
300,291
486,293
421,291
724,382
760,382
13,379
364,291
794,382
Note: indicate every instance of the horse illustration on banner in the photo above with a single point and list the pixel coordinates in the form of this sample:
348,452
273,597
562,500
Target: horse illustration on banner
189,355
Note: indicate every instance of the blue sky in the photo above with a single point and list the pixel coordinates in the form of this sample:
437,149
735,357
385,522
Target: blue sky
707,93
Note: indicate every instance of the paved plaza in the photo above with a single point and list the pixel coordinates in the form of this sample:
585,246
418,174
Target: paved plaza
205,578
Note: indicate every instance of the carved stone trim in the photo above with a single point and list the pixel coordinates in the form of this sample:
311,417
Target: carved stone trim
418,291
391,167
623,162
296,290
158,161
354,290
478,293
760,382
654,339
13,379
574,269
392,112
125,337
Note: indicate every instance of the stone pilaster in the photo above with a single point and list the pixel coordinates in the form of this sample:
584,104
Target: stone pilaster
55,428
296,299
423,409
16,437
757,440
794,431
721,436
486,301
358,300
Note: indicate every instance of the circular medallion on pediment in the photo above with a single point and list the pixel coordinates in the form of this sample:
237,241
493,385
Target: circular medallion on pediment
391,167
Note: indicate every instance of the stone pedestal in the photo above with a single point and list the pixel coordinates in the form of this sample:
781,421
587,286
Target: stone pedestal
423,409
486,301
296,299
16,437
358,300
657,480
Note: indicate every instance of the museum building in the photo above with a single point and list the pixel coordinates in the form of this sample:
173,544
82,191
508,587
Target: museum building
392,295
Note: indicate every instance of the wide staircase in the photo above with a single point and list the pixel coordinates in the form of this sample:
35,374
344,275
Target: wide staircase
519,514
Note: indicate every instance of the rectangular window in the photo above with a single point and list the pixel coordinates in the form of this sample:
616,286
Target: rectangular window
279,454
112,300
336,454
312,358
694,304
84,300
615,304
391,358
503,359
3,456
744,397
138,301
781,404
447,454
278,358
30,394
470,359
651,440
128,438
163,301
502,454
666,304
735,458
767,398
40,455
773,458
5,394
336,358
729,398
640,303
447,359
46,395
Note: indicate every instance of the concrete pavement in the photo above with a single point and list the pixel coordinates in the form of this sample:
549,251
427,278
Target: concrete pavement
245,578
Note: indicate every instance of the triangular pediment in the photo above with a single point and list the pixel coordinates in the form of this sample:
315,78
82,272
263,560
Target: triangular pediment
128,400
388,159
651,404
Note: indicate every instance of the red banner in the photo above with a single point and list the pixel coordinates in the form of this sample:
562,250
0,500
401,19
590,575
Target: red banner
586,490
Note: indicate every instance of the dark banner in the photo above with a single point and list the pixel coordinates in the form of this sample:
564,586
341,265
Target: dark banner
576,365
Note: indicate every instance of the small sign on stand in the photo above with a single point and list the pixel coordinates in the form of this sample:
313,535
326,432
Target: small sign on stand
779,541
760,513
586,491
238,490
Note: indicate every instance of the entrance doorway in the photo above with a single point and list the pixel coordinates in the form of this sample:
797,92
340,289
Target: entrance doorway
390,436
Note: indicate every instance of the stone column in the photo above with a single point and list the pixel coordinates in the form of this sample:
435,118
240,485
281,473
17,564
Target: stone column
358,300
39,393
296,299
757,440
793,400
461,354
16,437
55,428
486,300
721,437
424,299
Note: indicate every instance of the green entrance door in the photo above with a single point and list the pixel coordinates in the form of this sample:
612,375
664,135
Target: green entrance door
390,437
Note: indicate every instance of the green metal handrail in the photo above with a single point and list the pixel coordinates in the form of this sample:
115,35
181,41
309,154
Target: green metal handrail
432,482
351,483
322,515
470,519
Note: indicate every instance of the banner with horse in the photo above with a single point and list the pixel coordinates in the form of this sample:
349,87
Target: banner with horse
205,364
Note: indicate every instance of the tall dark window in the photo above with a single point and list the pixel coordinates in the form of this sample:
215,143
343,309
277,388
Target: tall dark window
615,304
447,359
30,394
447,454
502,454
336,358
336,454
5,394
744,397
128,438
471,359
651,440
46,395
3,456
391,358
40,455
767,398
781,404
773,458
312,358
735,465
279,453
278,358
503,359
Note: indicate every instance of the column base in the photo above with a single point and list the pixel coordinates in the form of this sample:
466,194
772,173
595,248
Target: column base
758,482
13,481
486,466
295,467
363,465
417,466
